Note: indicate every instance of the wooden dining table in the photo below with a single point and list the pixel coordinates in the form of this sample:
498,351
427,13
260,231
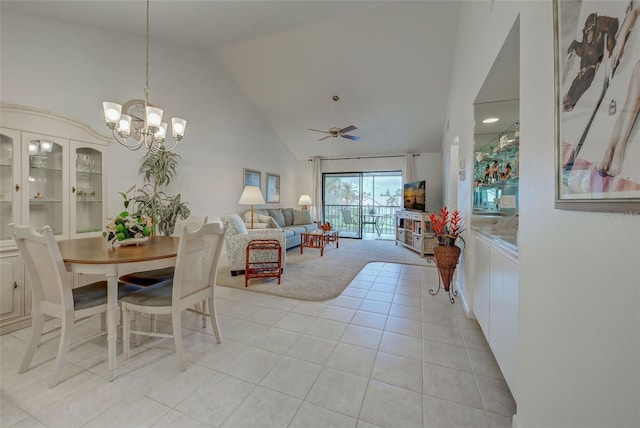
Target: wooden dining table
98,256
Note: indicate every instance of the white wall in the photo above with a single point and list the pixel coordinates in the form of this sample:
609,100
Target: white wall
579,328
71,70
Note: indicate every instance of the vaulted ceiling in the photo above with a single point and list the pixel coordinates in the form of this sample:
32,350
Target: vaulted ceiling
390,62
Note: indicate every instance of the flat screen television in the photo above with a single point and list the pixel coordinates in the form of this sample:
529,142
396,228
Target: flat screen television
414,196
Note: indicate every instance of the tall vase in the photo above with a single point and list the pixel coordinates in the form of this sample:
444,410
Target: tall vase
446,260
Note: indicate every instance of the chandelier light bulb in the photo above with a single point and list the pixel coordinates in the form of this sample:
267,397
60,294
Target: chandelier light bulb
124,126
178,126
162,132
154,117
112,112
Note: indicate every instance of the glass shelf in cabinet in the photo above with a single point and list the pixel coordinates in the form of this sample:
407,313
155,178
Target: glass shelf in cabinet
35,201
88,173
35,169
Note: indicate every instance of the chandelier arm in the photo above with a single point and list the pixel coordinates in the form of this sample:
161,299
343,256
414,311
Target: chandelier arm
123,142
163,148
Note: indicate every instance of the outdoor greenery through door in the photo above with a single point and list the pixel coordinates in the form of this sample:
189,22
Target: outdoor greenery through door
362,204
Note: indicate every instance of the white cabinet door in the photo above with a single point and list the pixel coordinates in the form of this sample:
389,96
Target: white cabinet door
495,304
483,277
11,288
510,287
45,179
88,196
10,183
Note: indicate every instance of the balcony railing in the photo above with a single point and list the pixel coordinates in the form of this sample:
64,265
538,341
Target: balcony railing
348,219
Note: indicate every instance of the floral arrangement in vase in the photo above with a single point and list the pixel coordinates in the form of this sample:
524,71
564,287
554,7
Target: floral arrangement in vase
128,226
326,226
447,226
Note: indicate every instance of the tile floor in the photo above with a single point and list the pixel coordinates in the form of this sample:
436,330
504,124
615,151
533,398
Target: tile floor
385,353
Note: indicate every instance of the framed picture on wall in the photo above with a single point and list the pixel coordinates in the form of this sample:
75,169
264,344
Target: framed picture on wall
273,188
252,177
597,89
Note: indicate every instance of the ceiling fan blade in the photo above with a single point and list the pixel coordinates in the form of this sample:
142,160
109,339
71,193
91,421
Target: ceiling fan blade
348,129
350,137
317,130
324,138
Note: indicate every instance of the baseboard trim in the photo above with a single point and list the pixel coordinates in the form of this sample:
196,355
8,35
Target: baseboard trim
465,305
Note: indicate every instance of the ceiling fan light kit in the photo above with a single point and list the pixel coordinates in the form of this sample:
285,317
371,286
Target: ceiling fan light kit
336,132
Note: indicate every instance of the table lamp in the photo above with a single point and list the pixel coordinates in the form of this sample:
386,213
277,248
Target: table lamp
251,195
305,201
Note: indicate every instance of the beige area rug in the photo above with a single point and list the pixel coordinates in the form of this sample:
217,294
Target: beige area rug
311,277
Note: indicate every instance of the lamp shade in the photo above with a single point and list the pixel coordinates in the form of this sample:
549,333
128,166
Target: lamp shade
251,195
305,200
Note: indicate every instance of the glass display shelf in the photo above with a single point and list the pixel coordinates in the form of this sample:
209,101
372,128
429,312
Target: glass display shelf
42,201
501,196
88,173
45,169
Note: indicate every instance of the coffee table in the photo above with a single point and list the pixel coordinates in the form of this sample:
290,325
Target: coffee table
318,239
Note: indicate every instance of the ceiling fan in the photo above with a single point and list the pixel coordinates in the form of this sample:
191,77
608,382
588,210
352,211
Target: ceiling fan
336,132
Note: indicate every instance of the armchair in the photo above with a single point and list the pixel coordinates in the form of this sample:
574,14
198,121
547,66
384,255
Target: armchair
237,238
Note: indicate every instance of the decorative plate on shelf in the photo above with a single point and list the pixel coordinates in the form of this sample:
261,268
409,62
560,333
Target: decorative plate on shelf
130,241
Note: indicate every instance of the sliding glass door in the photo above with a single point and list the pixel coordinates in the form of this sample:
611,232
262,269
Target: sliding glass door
362,204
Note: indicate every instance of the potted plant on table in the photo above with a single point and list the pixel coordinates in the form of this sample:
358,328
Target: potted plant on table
448,228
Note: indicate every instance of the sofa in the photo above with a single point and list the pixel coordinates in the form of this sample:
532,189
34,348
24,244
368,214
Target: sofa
237,237
291,221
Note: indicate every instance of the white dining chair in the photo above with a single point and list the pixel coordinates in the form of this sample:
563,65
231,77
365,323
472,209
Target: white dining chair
53,294
147,278
193,282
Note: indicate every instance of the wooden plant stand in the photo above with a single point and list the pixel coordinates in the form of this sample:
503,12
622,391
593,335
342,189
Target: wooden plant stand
269,267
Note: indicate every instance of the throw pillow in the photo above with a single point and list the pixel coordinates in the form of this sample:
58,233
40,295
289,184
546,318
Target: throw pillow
288,216
277,216
272,224
234,225
263,218
302,217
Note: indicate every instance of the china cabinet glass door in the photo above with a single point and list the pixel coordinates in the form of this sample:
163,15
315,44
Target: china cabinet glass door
9,182
87,189
46,159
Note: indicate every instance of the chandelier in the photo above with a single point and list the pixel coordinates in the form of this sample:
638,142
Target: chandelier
150,130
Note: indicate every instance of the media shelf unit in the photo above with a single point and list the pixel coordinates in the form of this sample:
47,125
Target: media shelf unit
413,230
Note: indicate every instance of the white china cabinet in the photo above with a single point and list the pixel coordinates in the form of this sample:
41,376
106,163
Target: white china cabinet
52,172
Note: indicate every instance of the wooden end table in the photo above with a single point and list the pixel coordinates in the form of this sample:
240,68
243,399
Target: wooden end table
318,239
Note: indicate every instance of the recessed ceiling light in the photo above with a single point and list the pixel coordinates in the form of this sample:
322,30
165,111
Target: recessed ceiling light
490,120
